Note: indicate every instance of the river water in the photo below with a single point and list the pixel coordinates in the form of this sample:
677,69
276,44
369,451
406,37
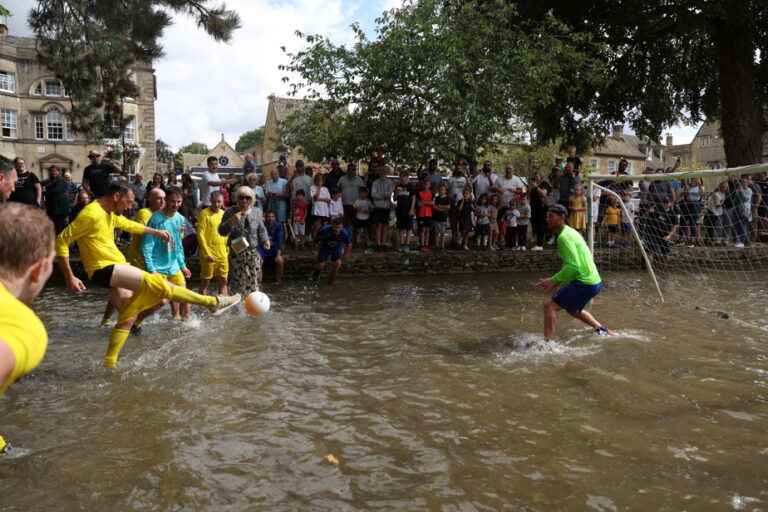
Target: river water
430,394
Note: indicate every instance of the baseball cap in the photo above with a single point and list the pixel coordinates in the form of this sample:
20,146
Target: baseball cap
559,209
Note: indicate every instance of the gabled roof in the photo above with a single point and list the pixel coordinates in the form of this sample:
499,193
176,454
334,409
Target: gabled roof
627,146
284,106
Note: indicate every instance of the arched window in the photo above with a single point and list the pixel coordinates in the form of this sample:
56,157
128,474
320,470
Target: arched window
49,87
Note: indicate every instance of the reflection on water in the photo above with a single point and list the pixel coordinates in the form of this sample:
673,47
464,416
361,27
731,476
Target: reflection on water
433,394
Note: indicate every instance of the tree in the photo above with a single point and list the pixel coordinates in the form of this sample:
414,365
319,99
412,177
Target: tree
672,61
441,77
4,11
163,151
197,148
250,139
91,46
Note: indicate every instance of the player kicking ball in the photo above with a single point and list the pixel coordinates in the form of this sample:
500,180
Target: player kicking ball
131,290
578,279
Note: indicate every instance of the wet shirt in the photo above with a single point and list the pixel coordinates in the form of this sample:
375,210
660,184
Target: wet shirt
24,333
330,241
160,256
578,264
94,232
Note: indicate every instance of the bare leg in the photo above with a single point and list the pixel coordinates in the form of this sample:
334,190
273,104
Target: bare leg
279,267
204,286
176,310
223,290
109,309
550,318
334,270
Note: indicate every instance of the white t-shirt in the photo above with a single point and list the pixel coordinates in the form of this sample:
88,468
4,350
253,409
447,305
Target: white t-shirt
336,208
596,193
363,209
320,208
508,187
277,187
206,189
456,186
483,184
301,182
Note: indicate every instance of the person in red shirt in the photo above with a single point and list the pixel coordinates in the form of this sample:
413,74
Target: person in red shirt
424,213
299,217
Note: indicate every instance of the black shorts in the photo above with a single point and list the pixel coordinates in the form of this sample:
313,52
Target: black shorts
613,228
102,277
425,222
361,223
404,222
380,216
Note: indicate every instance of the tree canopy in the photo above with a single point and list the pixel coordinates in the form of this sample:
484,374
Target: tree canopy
250,139
441,76
91,46
195,147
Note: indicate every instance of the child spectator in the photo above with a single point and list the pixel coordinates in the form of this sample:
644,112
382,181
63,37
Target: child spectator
336,206
424,214
493,216
440,211
403,214
523,221
332,241
578,210
483,214
299,217
715,207
320,201
612,219
363,207
465,209
511,217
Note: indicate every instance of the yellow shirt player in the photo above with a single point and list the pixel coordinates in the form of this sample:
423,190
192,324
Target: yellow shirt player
612,220
131,290
26,261
214,259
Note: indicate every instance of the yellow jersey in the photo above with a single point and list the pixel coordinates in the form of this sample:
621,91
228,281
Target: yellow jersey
208,238
94,232
23,332
612,216
133,254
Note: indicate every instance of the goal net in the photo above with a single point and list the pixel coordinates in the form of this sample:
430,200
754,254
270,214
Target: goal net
711,224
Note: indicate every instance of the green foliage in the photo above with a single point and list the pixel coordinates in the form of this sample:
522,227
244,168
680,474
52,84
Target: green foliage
163,151
526,159
4,11
441,77
197,148
91,46
250,139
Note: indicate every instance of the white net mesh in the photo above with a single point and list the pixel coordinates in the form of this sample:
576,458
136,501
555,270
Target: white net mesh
708,223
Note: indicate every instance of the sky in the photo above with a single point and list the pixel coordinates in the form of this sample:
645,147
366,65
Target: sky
206,89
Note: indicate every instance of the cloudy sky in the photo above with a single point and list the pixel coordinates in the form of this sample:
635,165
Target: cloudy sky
207,88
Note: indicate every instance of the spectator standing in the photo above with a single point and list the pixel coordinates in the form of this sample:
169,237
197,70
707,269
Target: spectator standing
272,257
333,177
363,208
57,202
574,160
350,184
716,213
456,186
72,189
321,200
211,182
278,196
403,214
81,201
539,201
214,260
244,226
433,173
523,221
190,197
249,166
693,192
97,176
508,185
567,185
440,212
424,212
578,209
28,190
336,206
299,217
381,195
485,180
301,181
466,211
139,190
157,182
612,220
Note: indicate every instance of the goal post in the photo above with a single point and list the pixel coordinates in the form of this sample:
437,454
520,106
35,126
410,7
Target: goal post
701,222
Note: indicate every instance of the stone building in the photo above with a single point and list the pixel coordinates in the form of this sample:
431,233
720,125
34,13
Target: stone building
639,153
707,149
272,148
34,106
229,159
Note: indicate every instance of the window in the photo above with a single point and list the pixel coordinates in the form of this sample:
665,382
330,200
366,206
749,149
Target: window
55,123
69,134
9,123
39,127
130,131
612,166
53,88
7,81
594,163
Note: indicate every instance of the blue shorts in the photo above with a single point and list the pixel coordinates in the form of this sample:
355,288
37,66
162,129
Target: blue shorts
329,255
574,296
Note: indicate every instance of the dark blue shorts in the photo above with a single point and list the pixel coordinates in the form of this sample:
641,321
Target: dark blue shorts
574,296
329,255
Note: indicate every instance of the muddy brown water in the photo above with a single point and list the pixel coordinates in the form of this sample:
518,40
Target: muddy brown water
432,394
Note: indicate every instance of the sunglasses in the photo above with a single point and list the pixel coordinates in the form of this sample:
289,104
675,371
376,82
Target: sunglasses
245,198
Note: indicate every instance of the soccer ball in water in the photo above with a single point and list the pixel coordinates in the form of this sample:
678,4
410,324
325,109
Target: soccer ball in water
256,303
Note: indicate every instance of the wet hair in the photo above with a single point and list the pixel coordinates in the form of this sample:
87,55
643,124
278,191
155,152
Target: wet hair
26,236
118,187
173,191
211,159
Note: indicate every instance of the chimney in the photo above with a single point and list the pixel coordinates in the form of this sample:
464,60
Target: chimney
618,131
669,140
3,30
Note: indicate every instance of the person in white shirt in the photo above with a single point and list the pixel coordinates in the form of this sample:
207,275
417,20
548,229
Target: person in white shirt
508,186
321,198
336,206
211,182
485,180
277,196
350,184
